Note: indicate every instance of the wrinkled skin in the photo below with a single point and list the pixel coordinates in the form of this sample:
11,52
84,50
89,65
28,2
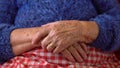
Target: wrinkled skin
65,36
76,53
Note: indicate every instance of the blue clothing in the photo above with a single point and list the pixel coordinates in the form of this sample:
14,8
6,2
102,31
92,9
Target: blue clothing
31,13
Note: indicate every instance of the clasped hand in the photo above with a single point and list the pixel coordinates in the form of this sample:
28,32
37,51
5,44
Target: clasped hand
65,37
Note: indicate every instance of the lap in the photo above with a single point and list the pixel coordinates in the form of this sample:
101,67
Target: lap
42,58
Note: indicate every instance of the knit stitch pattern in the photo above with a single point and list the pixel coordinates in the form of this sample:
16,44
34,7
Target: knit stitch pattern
31,13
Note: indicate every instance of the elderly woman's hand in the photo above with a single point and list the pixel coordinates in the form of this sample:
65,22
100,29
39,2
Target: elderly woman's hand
62,34
76,52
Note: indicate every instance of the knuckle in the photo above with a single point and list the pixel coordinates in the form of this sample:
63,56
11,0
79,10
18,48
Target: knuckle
42,43
42,46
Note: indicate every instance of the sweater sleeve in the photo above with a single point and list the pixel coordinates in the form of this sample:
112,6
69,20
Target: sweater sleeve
108,21
8,11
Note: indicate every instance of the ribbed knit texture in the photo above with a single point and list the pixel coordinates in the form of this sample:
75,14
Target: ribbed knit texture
8,12
31,13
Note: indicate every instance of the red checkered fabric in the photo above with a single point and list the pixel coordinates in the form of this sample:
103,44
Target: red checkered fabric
39,58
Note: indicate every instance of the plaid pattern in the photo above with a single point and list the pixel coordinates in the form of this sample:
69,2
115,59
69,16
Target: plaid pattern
39,58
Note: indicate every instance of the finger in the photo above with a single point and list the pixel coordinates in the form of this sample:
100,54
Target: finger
51,46
44,32
68,55
75,53
84,46
80,50
46,41
60,48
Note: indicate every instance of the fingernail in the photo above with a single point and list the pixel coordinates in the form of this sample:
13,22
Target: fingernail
54,52
32,42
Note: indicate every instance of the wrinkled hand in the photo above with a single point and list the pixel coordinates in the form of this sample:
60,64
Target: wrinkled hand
63,34
76,52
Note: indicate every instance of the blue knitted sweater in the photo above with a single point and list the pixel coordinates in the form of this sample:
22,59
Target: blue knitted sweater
31,13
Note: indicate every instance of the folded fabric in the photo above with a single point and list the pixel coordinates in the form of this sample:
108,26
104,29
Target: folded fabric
39,58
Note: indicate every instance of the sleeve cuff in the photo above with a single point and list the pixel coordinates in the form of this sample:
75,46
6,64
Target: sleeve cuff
6,52
105,36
